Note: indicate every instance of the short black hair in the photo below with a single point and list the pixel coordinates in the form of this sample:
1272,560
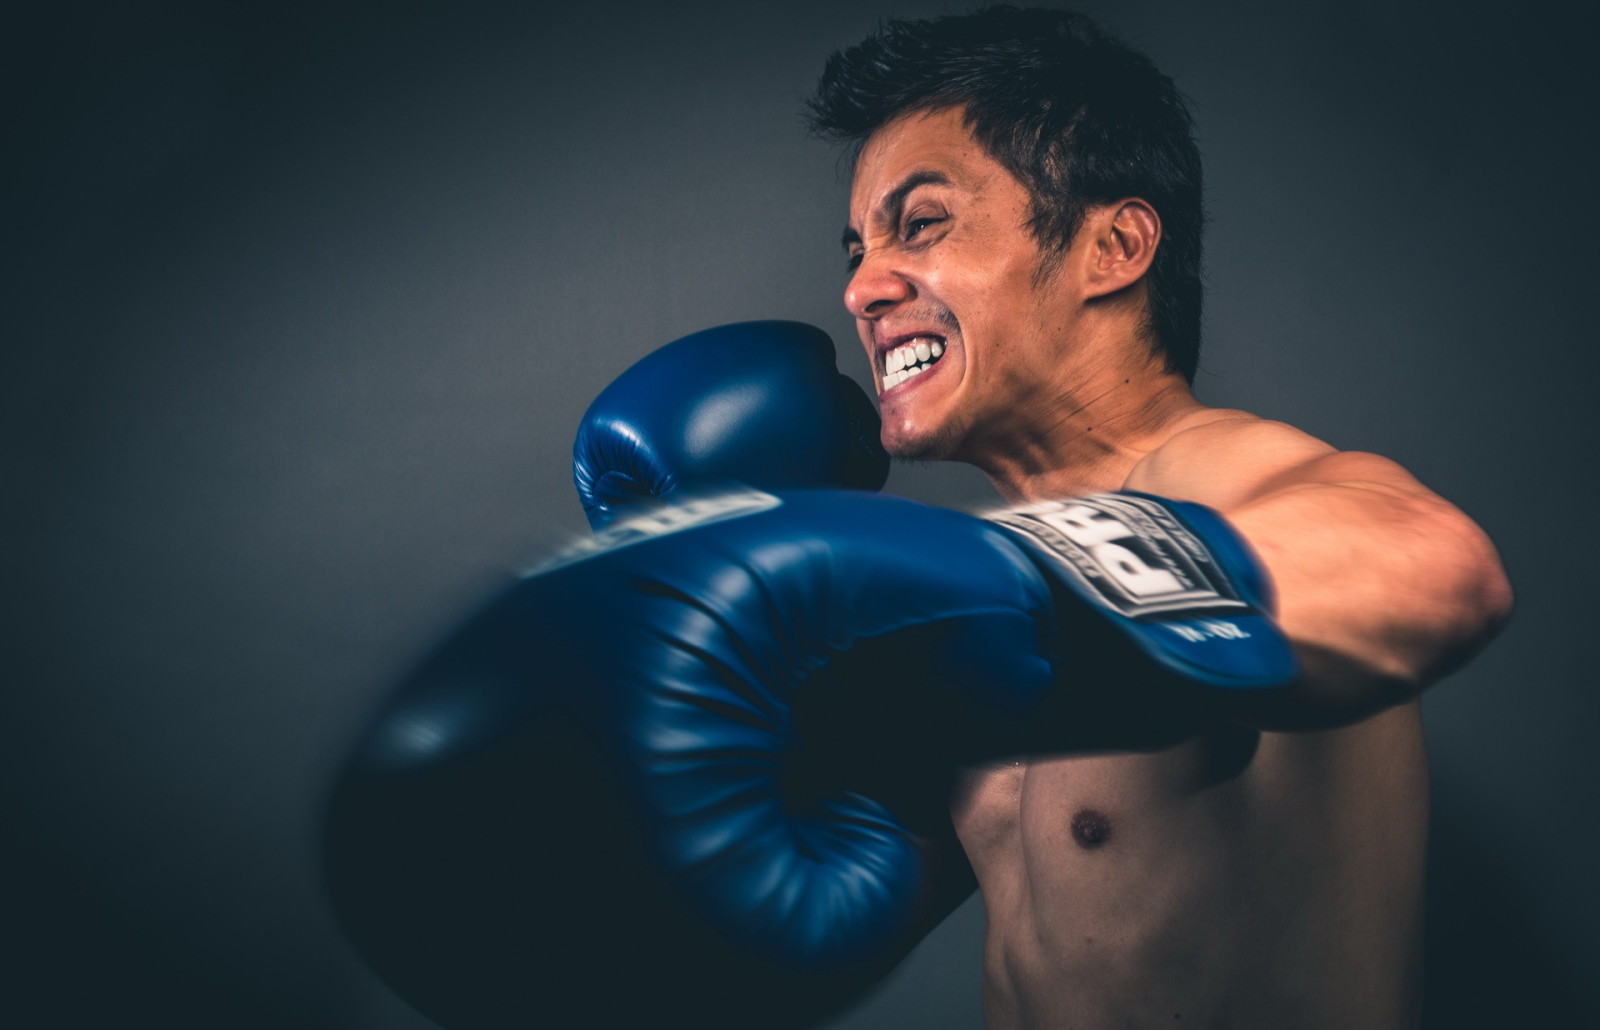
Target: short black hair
1075,114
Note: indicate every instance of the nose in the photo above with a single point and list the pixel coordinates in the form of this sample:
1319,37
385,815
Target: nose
875,287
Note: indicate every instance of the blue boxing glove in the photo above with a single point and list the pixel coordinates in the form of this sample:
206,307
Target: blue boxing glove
755,403
693,771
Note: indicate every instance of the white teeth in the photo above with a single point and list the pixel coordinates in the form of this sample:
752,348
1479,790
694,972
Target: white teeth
904,362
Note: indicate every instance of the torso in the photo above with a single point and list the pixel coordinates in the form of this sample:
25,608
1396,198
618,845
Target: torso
1236,879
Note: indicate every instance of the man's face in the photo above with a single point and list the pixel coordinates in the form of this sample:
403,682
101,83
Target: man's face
966,340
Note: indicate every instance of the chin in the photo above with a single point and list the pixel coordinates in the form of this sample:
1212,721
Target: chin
941,443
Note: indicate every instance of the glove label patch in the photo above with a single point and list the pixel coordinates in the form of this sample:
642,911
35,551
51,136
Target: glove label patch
1128,552
659,521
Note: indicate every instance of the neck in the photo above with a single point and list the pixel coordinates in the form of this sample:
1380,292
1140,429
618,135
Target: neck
1093,437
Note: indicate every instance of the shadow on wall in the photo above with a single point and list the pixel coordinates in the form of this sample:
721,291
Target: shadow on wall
1489,964
73,957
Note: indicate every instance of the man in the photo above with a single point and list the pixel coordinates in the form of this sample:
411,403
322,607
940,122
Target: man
1024,251
703,767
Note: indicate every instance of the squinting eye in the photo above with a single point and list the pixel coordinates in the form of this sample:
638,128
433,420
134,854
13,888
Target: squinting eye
916,225
852,262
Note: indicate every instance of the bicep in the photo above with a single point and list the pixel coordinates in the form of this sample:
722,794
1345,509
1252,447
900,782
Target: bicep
1382,585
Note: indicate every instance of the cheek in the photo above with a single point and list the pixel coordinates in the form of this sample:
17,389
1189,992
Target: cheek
1001,268
999,309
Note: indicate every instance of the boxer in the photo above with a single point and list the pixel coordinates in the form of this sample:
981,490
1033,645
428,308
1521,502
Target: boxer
539,823
1023,245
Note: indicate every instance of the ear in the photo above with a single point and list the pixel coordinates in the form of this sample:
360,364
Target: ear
1123,238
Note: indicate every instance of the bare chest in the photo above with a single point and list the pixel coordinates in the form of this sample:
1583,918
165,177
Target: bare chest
1105,876
1081,805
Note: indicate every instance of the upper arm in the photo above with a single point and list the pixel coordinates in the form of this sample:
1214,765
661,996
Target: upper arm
1382,585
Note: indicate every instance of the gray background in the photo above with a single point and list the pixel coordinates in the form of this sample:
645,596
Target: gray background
303,305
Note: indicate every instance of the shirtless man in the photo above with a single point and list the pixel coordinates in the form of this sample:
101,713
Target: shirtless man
696,770
1043,226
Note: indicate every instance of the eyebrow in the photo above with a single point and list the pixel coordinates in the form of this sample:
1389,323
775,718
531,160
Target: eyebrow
896,198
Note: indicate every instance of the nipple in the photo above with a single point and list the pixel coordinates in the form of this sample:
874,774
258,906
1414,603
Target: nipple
1090,828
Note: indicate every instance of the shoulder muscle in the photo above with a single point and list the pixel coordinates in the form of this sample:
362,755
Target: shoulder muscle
1229,461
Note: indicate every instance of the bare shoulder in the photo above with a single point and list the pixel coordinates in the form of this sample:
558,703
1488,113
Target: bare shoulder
1226,458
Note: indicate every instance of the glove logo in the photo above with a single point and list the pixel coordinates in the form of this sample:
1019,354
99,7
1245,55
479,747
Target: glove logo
1130,552
658,521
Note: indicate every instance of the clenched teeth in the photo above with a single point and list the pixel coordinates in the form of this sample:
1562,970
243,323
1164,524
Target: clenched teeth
908,360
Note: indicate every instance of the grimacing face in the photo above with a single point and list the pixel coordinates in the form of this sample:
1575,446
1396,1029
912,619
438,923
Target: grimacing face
967,340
